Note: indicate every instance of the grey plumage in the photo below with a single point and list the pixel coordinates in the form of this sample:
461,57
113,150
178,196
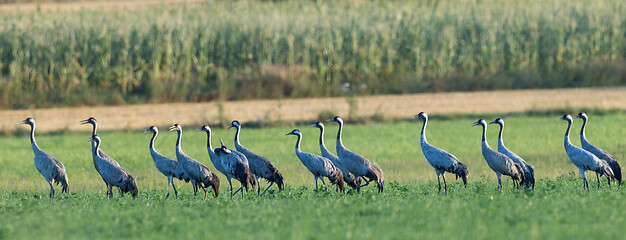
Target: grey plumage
357,164
584,159
94,124
440,159
199,175
165,165
260,166
498,162
50,167
111,174
319,166
232,165
529,170
348,177
600,153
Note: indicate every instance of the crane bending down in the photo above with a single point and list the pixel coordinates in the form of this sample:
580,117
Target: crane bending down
529,170
260,166
357,164
440,159
50,167
584,159
348,177
600,153
231,165
167,166
499,163
198,173
113,175
319,166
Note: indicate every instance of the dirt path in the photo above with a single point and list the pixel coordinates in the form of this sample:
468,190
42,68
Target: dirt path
392,106
79,5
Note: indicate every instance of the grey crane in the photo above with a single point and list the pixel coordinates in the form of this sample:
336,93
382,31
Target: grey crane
199,175
165,165
94,123
348,177
319,166
600,153
584,159
499,163
357,164
260,166
111,174
50,167
440,159
529,170
231,165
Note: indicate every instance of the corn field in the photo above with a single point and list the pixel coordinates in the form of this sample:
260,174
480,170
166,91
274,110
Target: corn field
250,50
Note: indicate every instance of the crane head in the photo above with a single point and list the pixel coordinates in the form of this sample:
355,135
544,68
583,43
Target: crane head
94,138
90,120
29,121
498,121
234,123
294,132
152,129
319,125
421,115
175,127
582,115
335,119
566,117
205,128
480,122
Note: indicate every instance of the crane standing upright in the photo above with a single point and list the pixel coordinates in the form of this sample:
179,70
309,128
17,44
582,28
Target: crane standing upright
348,177
440,159
600,153
111,174
167,166
50,167
529,170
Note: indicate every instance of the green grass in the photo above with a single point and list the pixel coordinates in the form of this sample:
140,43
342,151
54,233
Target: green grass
409,207
264,49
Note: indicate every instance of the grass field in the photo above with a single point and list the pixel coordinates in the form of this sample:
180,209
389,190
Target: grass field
410,206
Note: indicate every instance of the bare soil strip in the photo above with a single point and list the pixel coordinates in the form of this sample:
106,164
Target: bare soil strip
89,5
392,106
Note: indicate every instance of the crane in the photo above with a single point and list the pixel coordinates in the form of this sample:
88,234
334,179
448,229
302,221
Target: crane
357,164
50,167
600,153
348,177
529,170
111,174
319,166
440,159
231,165
199,175
260,166
584,159
499,163
167,166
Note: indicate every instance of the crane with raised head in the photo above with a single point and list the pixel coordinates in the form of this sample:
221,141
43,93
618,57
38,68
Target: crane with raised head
49,166
260,166
441,160
348,177
498,162
599,152
111,174
319,166
199,175
529,170
357,164
165,165
583,159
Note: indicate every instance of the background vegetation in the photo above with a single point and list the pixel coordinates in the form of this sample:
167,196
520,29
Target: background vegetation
258,49
410,205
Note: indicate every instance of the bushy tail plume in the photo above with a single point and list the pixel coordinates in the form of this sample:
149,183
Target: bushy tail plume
336,177
530,176
212,181
243,174
617,171
461,172
520,173
350,180
130,185
376,174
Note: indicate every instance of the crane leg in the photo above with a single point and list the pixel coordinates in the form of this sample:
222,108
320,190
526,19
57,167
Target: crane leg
325,189
258,186
268,187
315,181
168,187
241,188
231,187
499,183
175,192
205,193
445,185
598,178
439,182
51,190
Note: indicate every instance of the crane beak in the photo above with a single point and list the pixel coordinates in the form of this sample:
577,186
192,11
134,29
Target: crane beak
329,120
86,121
475,123
416,116
494,121
577,116
313,125
21,122
145,130
173,128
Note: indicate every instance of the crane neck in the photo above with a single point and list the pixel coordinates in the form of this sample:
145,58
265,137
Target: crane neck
501,129
582,129
423,133
152,141
178,140
569,126
237,135
298,142
322,136
94,129
484,138
32,138
339,142
209,147
96,149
